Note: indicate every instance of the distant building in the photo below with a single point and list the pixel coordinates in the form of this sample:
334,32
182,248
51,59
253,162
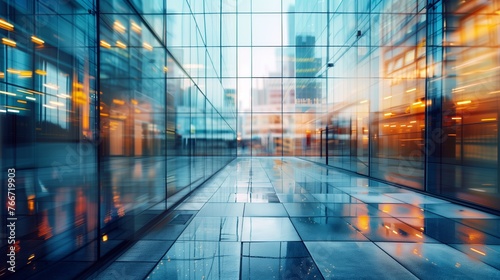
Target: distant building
307,67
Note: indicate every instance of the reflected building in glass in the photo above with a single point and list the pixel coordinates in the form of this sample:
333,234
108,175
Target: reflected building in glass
112,112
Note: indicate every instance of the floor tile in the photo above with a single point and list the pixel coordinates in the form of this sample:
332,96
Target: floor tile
190,206
223,197
449,231
304,209
355,260
387,229
146,250
213,229
221,209
296,198
265,210
335,198
277,260
403,210
260,189
416,198
199,260
375,198
353,210
268,229
126,270
438,261
490,226
489,254
326,229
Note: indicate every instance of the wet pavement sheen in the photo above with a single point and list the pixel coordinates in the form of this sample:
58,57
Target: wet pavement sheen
274,218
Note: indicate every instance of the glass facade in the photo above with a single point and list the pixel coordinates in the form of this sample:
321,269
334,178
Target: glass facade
112,111
412,95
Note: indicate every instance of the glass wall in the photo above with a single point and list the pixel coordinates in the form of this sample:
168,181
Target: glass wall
412,95
463,87
377,83
48,124
110,113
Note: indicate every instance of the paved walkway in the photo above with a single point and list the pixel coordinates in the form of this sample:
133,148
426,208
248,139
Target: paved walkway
286,218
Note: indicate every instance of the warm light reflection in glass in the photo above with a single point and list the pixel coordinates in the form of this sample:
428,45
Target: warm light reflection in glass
48,106
56,103
37,40
118,101
105,44
7,93
9,42
26,74
40,72
13,71
118,26
29,91
51,86
147,46
477,251
135,27
464,102
121,45
363,222
65,96
6,25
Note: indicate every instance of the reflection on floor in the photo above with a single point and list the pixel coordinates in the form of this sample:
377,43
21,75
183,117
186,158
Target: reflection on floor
274,218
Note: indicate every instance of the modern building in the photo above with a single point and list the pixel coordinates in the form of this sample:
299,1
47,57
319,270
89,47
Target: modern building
256,139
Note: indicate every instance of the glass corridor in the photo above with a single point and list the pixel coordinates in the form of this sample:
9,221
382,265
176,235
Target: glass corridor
113,111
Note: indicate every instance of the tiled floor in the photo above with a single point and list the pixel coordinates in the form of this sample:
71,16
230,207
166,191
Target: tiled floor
273,218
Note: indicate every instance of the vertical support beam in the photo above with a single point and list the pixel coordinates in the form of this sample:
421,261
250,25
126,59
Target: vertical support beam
97,124
326,144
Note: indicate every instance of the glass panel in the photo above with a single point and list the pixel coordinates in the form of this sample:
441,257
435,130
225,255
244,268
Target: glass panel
48,140
465,137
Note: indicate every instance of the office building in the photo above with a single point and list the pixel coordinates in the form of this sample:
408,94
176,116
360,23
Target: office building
249,139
